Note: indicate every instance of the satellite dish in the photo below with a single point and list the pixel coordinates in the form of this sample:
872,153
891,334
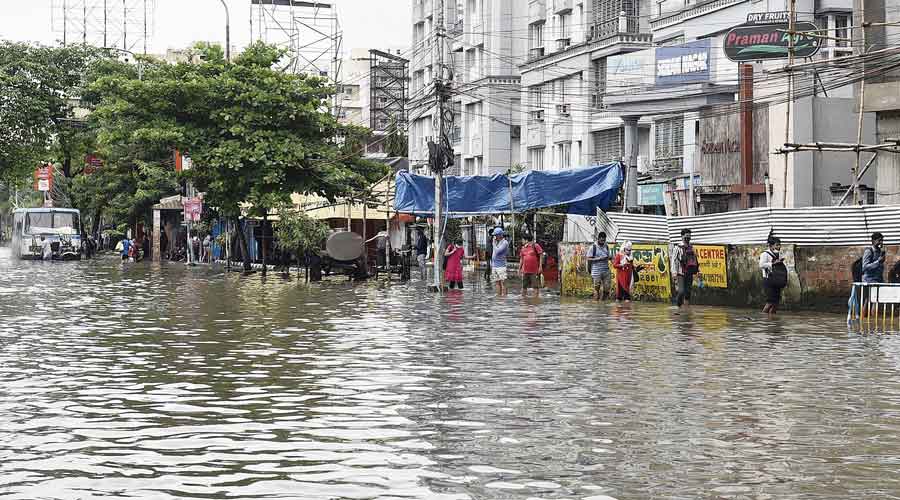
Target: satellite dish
344,245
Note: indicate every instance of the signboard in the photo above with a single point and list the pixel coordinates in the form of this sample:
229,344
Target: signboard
768,17
43,178
193,208
629,72
655,282
685,63
91,164
651,194
713,272
755,42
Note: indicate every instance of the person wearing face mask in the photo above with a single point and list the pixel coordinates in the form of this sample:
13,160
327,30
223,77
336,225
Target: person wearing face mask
624,264
684,266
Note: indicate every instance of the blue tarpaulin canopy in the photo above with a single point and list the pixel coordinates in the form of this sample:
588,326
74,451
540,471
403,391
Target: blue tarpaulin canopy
582,189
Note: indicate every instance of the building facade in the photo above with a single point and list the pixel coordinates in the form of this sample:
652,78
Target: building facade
483,52
650,84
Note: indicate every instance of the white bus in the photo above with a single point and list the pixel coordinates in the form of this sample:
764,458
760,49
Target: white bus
60,226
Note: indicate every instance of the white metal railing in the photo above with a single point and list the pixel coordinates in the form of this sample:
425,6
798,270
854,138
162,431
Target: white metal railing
874,305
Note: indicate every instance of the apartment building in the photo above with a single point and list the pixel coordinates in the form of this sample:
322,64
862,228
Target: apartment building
882,93
483,50
649,83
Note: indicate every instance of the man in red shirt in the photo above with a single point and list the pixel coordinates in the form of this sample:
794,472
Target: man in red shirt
531,265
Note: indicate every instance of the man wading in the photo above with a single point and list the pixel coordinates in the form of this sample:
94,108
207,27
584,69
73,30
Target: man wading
685,266
598,265
530,265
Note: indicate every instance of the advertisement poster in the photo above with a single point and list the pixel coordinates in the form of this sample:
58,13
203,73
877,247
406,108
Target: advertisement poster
655,283
713,272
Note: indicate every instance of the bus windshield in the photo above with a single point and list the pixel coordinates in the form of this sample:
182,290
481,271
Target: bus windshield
51,223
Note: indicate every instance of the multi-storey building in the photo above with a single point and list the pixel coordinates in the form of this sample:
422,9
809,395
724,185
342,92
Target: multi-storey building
882,93
649,83
483,51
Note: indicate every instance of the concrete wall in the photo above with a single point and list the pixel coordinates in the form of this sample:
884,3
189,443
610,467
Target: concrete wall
819,277
887,188
835,120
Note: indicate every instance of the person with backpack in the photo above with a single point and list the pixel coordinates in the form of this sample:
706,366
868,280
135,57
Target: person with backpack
684,266
775,274
598,266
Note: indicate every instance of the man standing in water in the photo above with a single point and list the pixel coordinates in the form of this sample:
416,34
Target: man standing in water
685,266
46,249
422,252
598,265
498,261
530,265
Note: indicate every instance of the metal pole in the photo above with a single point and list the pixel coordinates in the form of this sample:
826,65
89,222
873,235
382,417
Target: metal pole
790,100
228,31
512,211
105,27
862,97
387,229
437,233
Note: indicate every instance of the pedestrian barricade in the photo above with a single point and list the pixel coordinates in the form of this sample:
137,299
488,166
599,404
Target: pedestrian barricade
875,305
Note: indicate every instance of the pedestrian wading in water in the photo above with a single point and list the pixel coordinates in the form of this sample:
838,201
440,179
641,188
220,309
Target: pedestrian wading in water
775,274
626,272
598,265
684,265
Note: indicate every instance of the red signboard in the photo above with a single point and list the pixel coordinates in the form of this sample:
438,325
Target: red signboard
91,164
43,177
193,208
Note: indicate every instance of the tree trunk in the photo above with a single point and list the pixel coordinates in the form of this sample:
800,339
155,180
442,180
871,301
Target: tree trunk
299,262
242,238
95,224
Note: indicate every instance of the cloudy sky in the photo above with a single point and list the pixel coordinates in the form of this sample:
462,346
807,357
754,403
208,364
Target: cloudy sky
366,23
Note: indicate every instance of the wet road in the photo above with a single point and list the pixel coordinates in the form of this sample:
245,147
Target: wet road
161,383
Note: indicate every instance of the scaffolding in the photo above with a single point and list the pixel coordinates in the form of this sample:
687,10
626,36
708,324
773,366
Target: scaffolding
119,24
310,32
389,91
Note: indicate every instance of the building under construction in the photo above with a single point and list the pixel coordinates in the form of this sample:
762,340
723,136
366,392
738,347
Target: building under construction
310,32
121,24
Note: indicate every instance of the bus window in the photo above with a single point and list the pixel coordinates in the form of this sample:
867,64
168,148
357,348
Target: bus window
65,222
38,222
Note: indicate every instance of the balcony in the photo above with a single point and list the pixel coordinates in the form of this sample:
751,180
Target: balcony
537,11
689,12
535,53
562,6
563,44
617,26
536,133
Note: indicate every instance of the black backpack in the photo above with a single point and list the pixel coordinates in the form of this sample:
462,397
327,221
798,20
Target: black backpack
778,277
857,270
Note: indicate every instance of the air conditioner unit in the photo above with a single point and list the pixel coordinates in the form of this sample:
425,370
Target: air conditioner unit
562,109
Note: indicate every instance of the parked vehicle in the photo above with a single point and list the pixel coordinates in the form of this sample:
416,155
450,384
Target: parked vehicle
59,226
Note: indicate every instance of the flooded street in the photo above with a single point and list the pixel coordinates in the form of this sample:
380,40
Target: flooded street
148,382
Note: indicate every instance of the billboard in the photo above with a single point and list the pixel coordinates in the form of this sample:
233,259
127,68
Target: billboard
685,63
755,42
43,178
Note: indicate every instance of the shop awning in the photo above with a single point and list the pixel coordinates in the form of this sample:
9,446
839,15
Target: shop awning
582,189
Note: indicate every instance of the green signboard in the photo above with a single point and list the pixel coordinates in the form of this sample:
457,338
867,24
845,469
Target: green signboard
754,42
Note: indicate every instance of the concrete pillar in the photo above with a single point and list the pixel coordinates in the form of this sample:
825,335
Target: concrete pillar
631,154
157,230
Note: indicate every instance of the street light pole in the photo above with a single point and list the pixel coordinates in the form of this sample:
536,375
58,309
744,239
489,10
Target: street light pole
227,32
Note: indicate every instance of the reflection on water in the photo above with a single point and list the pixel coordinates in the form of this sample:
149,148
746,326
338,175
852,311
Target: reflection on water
142,381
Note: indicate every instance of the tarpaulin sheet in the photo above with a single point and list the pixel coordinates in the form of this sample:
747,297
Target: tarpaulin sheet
582,189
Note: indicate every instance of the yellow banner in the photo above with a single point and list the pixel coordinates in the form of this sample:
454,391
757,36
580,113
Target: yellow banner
654,283
713,272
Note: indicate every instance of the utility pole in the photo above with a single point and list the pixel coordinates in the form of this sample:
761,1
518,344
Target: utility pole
862,97
792,23
440,157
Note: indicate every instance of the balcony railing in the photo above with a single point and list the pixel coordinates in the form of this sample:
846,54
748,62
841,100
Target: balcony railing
536,53
616,26
563,43
562,6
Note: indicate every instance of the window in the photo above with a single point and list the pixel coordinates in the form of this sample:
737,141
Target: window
608,145
479,165
607,12
469,167
536,158
536,34
565,155
473,112
537,99
838,26
669,136
599,83
578,153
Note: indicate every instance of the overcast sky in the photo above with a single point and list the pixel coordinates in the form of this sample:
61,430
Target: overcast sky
380,24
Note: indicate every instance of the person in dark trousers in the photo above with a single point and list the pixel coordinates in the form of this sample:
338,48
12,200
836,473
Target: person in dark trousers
684,266
775,274
422,252
146,246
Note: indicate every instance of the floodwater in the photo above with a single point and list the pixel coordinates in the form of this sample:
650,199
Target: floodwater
148,382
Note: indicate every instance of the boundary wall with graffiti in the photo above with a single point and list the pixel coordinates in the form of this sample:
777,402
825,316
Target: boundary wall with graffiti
820,276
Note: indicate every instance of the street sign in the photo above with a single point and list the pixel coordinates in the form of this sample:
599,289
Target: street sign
755,42
43,178
193,208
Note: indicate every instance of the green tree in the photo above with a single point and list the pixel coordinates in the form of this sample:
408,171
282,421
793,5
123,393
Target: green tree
397,143
299,233
255,134
40,89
